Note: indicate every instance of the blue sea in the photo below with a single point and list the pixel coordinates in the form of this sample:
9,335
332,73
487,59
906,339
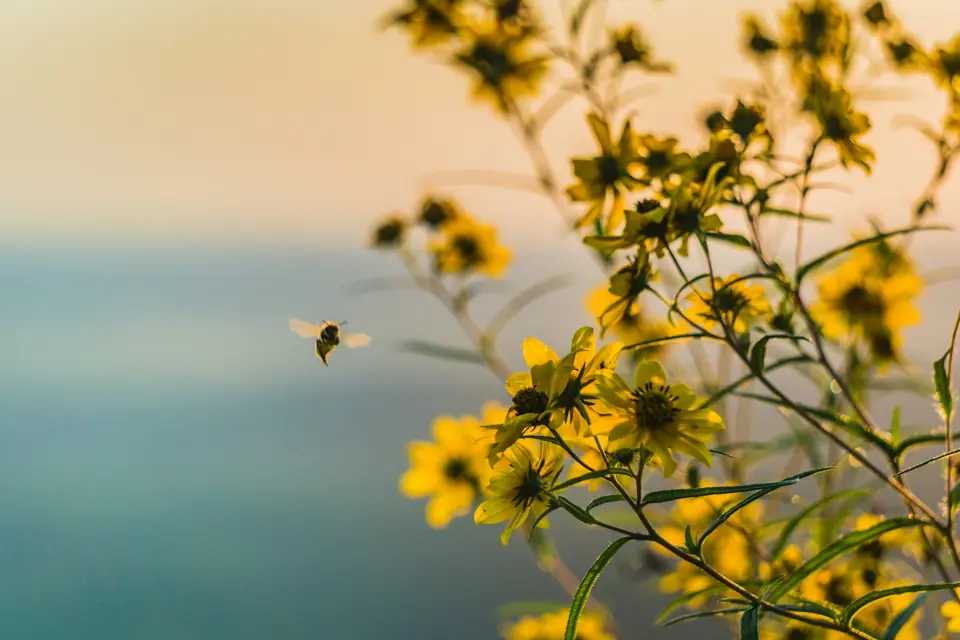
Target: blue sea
175,464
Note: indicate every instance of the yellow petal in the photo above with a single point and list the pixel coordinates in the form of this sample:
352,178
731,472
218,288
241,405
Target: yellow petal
649,371
517,382
493,511
536,352
417,483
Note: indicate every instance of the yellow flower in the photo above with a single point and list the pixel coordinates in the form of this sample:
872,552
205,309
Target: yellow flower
869,299
626,320
736,303
946,65
520,487
429,22
632,47
840,123
452,470
816,30
951,611
659,157
553,626
757,41
504,67
467,246
657,416
605,177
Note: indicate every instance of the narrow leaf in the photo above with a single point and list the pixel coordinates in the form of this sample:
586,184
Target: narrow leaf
604,500
443,352
536,523
731,238
902,618
676,338
895,426
928,461
774,211
586,586
575,510
858,604
830,255
703,614
669,495
692,545
579,14
750,625
941,381
592,475
687,597
733,386
726,515
843,545
796,520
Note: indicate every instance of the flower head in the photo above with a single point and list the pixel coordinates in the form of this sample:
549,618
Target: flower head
553,626
466,246
430,23
626,320
656,415
633,48
452,470
389,234
435,212
520,487
606,177
840,123
733,301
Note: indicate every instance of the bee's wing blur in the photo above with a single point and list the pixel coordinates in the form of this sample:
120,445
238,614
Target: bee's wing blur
305,329
355,340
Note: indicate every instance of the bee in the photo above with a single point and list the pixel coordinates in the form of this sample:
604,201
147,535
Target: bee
328,336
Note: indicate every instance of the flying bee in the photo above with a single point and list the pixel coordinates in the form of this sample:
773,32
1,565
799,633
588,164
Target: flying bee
328,336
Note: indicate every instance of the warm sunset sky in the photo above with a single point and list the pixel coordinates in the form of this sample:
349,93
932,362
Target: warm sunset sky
295,121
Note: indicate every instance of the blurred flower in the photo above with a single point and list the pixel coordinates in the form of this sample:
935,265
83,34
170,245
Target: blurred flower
659,157
869,298
876,14
505,68
633,48
758,42
429,22
731,300
389,233
467,246
452,470
606,176
553,626
946,65
627,321
840,123
816,30
437,212
520,487
951,611
657,416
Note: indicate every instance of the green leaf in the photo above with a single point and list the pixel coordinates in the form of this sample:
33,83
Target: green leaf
533,528
924,438
928,461
774,211
796,520
895,426
902,618
858,604
527,608
575,510
443,352
830,255
726,515
674,338
941,381
596,502
586,586
592,475
750,624
758,355
954,498
525,297
669,495
687,597
692,545
847,543
703,614
733,386
731,238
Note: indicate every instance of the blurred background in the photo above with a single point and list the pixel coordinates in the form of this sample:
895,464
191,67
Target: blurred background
180,177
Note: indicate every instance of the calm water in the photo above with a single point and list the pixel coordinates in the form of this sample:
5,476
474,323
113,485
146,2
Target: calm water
176,464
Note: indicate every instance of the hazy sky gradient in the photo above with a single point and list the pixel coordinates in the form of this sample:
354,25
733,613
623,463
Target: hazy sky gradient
295,121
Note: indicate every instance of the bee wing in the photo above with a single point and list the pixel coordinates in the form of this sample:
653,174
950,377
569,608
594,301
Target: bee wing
355,340
305,329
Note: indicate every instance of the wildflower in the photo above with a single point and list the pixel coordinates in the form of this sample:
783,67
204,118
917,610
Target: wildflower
840,123
389,233
657,416
553,626
659,157
687,215
606,176
452,469
876,14
818,30
757,40
505,68
632,47
945,62
467,246
627,321
429,22
520,487
437,212
647,227
905,54
731,301
951,611
869,299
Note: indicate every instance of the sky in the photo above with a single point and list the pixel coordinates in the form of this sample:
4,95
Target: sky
276,122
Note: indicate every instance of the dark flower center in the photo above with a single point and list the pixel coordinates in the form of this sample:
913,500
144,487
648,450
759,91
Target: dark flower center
435,214
873,549
687,219
950,62
456,469
657,162
389,233
654,406
901,51
610,171
760,44
838,591
729,301
530,400
492,63
814,27
531,486
869,577
837,127
797,634
468,248
745,121
881,344
861,303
